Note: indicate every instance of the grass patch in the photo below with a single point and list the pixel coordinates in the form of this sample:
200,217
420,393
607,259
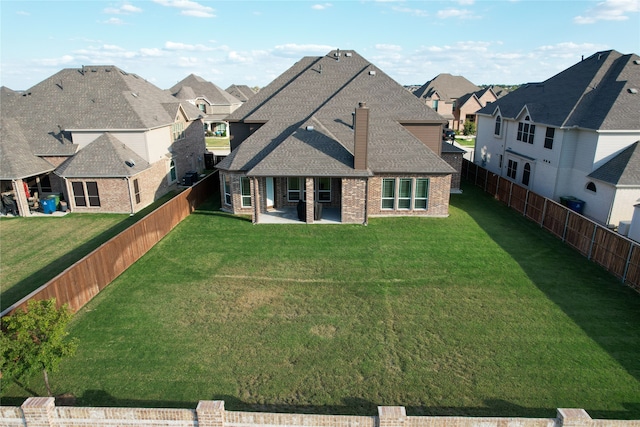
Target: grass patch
36,249
482,313
215,142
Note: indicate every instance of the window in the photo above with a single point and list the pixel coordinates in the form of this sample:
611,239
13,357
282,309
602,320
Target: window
136,190
177,131
202,107
434,104
388,193
227,190
245,188
294,192
422,194
526,131
78,194
398,193
526,174
498,126
324,189
86,193
404,194
591,187
173,176
500,161
512,169
548,138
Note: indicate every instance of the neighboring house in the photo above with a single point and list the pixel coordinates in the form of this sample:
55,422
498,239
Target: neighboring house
337,131
455,98
214,103
242,92
98,137
573,135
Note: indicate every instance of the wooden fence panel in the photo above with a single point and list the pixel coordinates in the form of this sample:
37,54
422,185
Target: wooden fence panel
555,218
611,251
78,284
632,277
535,207
503,192
518,200
492,184
579,233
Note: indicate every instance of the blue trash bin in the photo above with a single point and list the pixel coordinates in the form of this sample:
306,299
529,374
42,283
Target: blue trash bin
48,205
575,205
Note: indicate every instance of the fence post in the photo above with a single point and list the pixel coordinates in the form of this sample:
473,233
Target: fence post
391,416
566,225
486,179
593,240
544,212
210,413
510,193
626,266
39,411
526,204
573,418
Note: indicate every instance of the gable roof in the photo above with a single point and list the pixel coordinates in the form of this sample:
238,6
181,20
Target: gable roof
623,169
595,93
195,85
105,157
242,92
447,86
16,159
91,97
323,92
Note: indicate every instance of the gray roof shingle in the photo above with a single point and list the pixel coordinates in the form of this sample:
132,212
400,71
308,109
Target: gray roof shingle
195,85
621,170
242,92
324,92
16,159
592,94
447,86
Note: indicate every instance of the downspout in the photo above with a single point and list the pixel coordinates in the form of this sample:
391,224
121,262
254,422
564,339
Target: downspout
130,195
366,201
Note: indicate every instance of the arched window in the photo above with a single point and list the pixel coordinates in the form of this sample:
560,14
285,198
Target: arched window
591,187
498,127
173,176
526,174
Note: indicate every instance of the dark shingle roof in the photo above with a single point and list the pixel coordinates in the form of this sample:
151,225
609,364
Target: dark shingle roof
324,92
195,85
447,87
242,92
105,157
623,169
595,93
16,159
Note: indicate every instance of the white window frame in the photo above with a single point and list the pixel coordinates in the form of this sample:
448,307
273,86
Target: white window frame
246,198
226,180
387,198
418,197
301,190
402,200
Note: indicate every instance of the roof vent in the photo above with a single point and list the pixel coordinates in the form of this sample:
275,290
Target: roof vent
347,54
135,95
636,61
309,128
130,163
372,73
633,90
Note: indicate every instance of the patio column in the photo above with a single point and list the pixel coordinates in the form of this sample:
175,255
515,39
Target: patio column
255,202
309,187
21,197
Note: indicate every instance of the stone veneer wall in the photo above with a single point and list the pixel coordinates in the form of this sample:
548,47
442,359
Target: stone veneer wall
438,203
42,412
354,196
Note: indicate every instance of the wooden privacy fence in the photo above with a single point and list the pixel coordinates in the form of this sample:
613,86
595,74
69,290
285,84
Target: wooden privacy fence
86,278
616,253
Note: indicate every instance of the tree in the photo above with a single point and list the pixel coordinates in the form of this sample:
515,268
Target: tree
469,128
35,340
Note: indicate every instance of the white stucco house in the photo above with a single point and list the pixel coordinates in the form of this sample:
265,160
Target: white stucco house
573,135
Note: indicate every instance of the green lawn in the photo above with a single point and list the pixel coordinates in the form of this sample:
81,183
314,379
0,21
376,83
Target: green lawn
482,313
35,249
214,142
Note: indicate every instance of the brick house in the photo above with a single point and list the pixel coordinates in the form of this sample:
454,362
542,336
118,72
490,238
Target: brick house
455,98
214,103
101,139
335,131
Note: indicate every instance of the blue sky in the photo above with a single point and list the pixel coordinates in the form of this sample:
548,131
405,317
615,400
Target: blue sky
252,42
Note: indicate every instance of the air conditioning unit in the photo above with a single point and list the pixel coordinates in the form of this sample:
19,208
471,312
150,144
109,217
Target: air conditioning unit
623,228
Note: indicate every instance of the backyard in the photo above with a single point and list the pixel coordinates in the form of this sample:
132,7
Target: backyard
482,313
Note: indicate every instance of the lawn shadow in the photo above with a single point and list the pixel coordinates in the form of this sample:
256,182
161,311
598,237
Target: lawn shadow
29,284
604,308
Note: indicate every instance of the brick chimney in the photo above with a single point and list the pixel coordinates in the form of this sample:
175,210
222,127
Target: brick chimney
361,137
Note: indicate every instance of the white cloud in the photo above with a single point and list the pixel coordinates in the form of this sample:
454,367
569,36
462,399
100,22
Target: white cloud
55,62
114,21
292,50
455,13
125,9
189,8
388,47
188,47
410,11
23,13
322,6
609,10
151,52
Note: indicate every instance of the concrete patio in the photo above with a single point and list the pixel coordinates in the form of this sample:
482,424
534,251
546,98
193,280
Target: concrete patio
290,216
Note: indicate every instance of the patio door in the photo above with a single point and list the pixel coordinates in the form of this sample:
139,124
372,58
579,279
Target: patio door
270,194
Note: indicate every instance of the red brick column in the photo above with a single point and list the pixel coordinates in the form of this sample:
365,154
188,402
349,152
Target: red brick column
39,411
310,196
210,413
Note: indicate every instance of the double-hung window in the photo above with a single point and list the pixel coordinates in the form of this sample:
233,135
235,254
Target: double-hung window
177,131
526,131
548,138
404,194
295,189
86,194
422,194
498,126
324,189
245,188
388,193
227,190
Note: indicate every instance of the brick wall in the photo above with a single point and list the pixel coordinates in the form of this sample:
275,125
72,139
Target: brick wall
438,201
235,207
42,412
353,200
455,161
